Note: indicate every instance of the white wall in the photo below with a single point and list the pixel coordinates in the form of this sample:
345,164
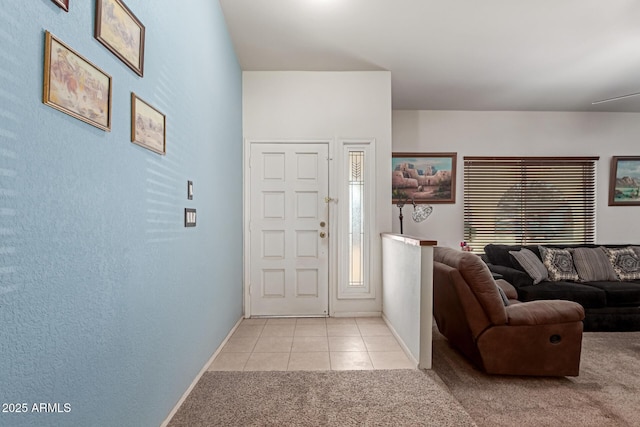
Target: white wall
407,304
473,133
333,106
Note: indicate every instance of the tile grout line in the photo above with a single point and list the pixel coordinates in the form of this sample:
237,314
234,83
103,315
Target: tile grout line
325,329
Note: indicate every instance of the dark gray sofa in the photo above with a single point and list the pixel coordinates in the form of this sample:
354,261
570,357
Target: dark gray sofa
610,305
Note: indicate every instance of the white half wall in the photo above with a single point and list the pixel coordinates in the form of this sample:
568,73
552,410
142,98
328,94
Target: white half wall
328,106
498,133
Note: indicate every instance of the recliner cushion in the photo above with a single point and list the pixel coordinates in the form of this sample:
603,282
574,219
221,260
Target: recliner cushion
479,279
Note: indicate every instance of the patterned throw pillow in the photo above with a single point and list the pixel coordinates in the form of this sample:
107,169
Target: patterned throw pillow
531,264
592,264
625,262
559,264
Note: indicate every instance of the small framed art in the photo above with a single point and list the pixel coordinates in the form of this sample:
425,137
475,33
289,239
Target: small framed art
148,126
118,29
74,85
63,4
624,181
423,177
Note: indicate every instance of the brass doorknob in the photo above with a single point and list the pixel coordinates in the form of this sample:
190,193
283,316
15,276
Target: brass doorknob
323,234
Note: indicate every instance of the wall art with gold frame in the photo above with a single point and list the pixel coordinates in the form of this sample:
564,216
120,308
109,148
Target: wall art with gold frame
118,29
74,85
148,126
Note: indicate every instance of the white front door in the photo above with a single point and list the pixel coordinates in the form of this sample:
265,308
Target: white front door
289,229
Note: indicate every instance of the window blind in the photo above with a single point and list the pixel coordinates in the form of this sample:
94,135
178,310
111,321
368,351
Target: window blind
529,200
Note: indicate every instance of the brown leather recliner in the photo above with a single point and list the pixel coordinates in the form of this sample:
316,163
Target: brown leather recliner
531,338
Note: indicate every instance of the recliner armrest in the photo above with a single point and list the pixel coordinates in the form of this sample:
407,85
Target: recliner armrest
544,312
507,288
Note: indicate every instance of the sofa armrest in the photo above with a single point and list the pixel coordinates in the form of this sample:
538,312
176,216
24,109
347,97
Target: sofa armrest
544,312
516,277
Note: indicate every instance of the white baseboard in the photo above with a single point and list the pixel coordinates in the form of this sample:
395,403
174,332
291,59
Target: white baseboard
204,369
400,341
356,314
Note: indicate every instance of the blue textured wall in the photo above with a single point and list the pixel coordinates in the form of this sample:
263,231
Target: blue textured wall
106,301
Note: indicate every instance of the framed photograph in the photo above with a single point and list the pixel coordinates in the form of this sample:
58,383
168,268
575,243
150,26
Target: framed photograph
624,181
118,29
148,126
74,85
423,177
63,4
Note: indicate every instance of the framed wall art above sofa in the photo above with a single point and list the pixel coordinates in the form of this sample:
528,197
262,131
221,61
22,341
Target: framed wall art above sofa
423,177
624,181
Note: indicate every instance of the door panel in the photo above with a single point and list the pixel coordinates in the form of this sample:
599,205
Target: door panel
289,255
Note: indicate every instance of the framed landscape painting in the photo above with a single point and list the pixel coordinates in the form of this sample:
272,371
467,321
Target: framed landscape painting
74,85
148,126
624,181
118,29
423,177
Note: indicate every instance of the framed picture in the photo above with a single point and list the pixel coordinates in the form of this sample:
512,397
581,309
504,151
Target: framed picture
423,177
63,4
121,32
74,85
148,126
624,181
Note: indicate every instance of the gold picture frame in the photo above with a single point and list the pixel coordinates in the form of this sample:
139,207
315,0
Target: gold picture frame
118,29
148,126
74,85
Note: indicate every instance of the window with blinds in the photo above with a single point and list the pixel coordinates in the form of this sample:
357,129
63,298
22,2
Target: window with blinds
529,200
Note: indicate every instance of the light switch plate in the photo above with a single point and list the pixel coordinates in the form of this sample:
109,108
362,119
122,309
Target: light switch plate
190,190
189,217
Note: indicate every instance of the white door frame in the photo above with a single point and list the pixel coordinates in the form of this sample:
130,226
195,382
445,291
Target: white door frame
332,215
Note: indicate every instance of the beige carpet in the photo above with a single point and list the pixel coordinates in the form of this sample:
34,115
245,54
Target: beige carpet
454,393
327,398
606,393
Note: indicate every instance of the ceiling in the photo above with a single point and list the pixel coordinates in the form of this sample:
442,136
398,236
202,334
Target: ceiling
499,55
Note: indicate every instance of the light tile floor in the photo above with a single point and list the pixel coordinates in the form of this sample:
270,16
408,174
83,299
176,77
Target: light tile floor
311,344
